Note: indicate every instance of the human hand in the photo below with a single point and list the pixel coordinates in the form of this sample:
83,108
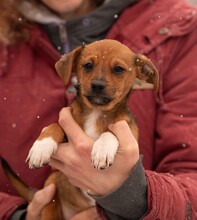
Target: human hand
74,158
40,200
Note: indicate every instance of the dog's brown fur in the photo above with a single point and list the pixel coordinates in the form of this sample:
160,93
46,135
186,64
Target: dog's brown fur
112,68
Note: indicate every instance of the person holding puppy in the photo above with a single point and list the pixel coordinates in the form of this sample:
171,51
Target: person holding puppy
161,184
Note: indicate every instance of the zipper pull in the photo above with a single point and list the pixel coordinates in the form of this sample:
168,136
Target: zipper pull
62,33
64,38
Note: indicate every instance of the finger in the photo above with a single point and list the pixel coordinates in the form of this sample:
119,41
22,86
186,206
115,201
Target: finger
90,213
40,200
128,150
65,158
71,128
56,163
65,153
123,132
62,152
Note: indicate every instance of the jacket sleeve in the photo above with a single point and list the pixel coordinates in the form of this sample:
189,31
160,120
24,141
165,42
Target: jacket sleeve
172,181
8,204
129,200
172,187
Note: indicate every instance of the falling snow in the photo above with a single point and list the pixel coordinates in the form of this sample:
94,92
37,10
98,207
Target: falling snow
13,125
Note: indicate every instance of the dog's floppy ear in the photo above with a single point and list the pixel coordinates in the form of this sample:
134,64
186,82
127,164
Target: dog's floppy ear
147,71
67,64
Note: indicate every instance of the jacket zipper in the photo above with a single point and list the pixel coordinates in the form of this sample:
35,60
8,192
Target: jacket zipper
64,37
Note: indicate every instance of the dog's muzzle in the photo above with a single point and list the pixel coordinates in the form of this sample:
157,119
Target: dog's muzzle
98,86
97,95
98,100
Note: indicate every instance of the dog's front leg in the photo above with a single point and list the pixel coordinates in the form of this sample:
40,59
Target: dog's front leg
104,150
45,146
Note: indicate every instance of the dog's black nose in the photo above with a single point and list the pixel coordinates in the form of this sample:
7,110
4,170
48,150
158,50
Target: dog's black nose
98,85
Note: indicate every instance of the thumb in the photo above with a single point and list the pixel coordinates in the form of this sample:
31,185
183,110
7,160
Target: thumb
128,150
40,200
123,133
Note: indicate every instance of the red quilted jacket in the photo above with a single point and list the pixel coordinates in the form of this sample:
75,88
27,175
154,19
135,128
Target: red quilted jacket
166,32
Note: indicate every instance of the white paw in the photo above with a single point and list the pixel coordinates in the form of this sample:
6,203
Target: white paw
41,152
104,150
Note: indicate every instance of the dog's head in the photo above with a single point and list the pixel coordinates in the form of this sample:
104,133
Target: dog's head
106,71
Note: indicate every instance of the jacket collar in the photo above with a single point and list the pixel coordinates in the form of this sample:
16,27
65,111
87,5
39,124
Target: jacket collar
72,33
38,13
95,25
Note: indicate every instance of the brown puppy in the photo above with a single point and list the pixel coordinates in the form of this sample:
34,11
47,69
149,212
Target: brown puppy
106,71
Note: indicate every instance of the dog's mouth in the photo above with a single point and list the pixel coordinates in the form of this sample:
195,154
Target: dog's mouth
98,100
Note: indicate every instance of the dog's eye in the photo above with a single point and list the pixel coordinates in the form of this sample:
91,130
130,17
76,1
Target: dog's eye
88,66
118,69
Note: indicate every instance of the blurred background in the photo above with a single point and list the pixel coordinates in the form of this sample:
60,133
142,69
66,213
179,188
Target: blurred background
193,1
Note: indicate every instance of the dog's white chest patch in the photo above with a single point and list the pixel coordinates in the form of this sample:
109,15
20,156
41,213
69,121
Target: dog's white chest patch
90,124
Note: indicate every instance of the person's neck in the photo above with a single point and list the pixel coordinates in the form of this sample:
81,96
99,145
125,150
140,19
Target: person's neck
86,7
